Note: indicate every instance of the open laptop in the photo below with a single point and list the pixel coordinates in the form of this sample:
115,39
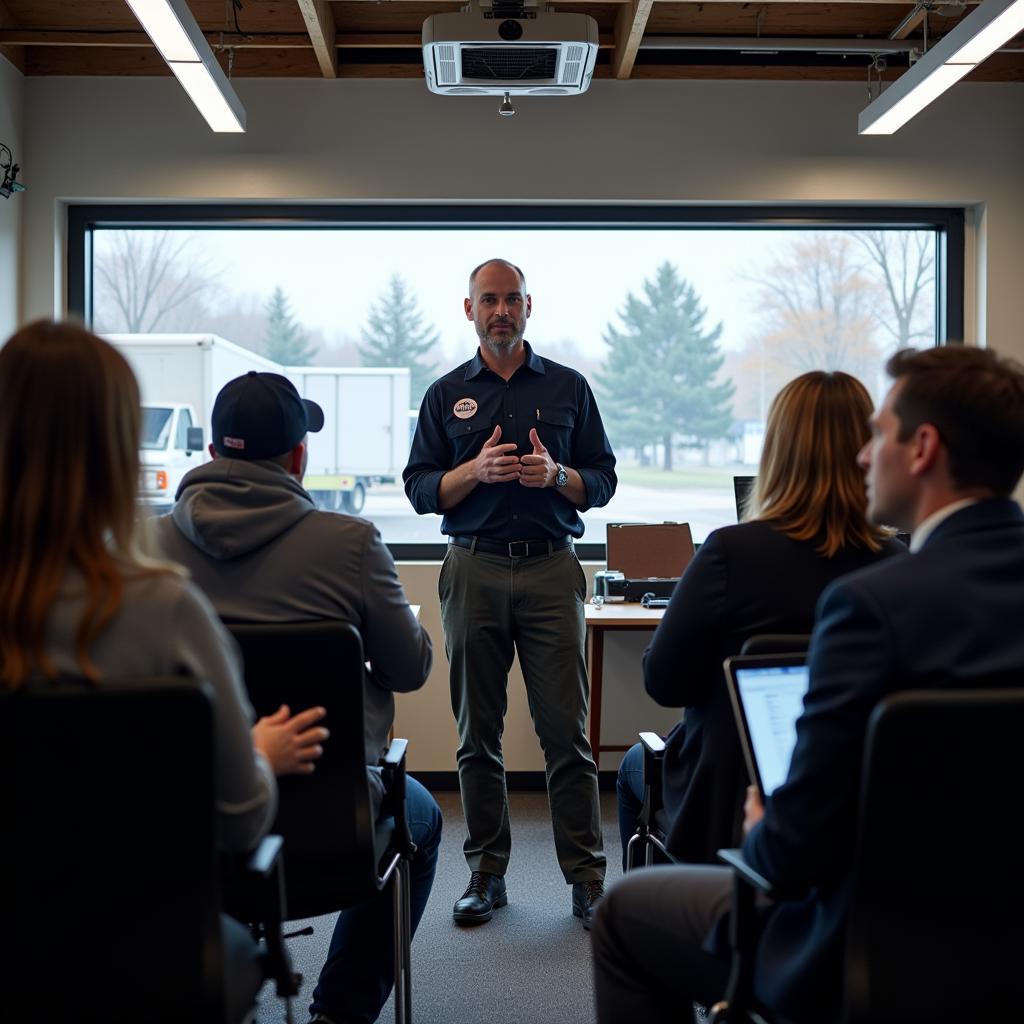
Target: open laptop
767,694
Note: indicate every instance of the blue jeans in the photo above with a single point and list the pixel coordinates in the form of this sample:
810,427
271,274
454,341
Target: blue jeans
359,972
629,788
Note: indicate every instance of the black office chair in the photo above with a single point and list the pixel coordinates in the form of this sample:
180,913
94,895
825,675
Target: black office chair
649,838
338,855
933,935
776,643
109,877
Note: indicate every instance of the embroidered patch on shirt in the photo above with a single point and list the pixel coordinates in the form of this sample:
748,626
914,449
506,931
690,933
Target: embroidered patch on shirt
234,442
464,408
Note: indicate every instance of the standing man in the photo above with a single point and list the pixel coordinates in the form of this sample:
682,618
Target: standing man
945,454
511,448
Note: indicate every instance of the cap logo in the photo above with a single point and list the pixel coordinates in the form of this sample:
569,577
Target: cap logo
234,442
465,408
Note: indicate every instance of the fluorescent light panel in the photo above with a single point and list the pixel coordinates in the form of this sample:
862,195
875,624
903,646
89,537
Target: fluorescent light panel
205,93
1003,27
980,34
933,86
176,34
165,29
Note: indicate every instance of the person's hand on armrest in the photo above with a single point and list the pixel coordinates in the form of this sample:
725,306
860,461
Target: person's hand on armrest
753,810
290,743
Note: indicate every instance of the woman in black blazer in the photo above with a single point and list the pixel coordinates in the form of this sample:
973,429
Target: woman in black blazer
807,525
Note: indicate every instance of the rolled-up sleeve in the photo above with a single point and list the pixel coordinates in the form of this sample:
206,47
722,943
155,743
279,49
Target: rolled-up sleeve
592,455
429,457
245,790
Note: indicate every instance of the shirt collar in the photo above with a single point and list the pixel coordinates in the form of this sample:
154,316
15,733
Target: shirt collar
532,362
928,526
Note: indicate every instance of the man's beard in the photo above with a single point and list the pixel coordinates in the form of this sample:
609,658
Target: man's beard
501,345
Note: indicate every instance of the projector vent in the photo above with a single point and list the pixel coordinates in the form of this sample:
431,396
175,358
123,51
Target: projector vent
574,56
447,69
508,63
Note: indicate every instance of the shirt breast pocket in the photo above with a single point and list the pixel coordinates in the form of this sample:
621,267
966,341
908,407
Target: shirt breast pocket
467,437
554,428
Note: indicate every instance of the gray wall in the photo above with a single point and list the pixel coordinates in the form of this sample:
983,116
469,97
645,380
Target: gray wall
687,142
12,105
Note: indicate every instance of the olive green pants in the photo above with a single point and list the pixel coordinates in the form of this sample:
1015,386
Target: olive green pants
492,607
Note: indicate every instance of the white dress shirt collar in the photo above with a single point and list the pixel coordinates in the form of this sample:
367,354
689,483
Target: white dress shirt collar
928,526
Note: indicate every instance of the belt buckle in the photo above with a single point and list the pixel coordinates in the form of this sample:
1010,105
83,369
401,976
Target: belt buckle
513,543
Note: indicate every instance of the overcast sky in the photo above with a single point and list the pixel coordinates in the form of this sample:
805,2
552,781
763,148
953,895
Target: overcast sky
578,279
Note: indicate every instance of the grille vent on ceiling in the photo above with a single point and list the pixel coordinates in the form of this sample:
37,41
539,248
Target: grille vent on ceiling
494,63
571,66
447,68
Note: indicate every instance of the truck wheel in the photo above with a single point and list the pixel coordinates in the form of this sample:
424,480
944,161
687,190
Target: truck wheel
354,500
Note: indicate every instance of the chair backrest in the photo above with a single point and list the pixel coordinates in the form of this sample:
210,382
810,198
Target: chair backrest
326,818
108,883
936,906
776,643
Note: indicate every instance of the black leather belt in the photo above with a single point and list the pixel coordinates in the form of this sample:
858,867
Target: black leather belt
512,548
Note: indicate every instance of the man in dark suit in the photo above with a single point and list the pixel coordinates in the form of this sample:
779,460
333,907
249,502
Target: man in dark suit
946,452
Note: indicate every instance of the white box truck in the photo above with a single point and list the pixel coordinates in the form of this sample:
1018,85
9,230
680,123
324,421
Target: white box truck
364,440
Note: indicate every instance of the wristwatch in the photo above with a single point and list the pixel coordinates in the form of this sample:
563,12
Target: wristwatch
561,477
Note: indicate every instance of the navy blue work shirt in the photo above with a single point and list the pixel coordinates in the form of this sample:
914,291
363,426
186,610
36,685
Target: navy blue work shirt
460,411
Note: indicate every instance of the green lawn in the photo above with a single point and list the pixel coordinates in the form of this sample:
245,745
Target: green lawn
691,476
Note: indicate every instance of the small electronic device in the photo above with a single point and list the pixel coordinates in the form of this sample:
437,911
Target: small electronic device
633,589
767,694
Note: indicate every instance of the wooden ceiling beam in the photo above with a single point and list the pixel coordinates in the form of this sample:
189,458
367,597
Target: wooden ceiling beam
225,40
630,23
319,19
911,22
120,40
15,54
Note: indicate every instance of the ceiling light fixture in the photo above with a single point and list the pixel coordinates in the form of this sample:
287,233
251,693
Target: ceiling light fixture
176,34
980,34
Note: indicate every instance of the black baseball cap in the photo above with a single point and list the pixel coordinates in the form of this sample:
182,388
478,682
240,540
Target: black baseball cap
261,415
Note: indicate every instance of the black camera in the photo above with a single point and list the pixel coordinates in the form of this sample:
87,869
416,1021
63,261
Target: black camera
510,30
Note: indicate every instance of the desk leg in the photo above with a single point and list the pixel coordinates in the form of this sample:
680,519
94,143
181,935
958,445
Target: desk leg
596,680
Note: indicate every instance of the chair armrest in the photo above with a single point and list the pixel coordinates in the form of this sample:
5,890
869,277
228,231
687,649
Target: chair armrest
652,743
264,860
394,756
392,766
736,860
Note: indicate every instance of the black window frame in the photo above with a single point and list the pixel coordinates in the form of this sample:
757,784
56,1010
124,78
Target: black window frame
947,222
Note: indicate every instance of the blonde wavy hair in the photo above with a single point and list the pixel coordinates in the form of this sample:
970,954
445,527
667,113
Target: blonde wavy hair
69,465
809,484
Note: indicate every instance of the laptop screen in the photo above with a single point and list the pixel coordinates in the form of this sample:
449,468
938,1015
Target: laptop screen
742,486
772,699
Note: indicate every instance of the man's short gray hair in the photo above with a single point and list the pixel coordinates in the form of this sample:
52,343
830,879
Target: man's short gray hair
497,259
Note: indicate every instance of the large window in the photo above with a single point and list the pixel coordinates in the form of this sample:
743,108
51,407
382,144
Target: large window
685,323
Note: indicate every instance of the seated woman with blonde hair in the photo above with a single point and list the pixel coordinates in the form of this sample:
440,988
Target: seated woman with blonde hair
77,600
807,525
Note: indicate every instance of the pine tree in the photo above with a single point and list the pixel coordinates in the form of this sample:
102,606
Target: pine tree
395,336
285,341
657,382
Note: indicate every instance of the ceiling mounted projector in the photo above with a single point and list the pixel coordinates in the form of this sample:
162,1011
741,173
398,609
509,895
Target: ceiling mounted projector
504,48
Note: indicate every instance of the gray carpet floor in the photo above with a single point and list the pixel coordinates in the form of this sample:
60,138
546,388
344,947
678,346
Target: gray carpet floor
529,965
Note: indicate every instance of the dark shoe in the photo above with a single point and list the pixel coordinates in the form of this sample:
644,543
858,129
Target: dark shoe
484,894
584,898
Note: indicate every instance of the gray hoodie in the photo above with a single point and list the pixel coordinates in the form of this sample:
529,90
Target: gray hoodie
259,548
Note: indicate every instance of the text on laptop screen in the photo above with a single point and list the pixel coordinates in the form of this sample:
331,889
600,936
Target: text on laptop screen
773,699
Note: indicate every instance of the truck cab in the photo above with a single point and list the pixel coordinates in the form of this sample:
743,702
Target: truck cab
171,445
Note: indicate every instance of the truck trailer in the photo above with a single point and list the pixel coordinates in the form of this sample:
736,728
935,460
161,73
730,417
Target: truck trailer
364,439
